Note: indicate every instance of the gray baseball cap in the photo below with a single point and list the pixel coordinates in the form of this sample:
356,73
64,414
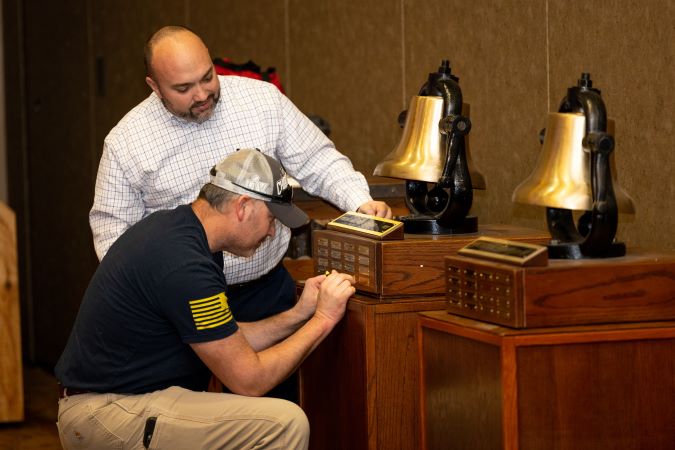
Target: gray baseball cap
250,172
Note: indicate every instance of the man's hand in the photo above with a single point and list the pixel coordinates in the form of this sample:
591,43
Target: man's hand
306,304
333,295
375,208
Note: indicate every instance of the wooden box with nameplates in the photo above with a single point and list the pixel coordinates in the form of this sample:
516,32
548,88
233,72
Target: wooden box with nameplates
633,288
411,266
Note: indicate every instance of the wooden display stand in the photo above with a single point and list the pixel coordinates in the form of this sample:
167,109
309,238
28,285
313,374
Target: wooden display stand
11,379
359,387
485,386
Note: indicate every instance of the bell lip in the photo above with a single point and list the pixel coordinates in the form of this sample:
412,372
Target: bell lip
477,179
626,206
384,170
521,194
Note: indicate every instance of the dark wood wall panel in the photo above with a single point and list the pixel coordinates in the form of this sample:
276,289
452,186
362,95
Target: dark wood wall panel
59,160
78,68
15,89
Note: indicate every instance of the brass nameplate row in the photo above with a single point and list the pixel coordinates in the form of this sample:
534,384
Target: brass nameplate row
347,254
413,266
636,287
481,291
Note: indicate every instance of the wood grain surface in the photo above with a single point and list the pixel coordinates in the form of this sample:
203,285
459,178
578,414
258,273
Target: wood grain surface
584,387
11,382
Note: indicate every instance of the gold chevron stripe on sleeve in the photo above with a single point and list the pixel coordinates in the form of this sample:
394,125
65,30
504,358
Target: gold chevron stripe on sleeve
210,312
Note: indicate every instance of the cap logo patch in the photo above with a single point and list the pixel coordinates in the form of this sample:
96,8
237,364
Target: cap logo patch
257,185
282,183
210,312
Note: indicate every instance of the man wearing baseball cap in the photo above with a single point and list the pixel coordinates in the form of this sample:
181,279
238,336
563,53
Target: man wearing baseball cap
251,172
155,323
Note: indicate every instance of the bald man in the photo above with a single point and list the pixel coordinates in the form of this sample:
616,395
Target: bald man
180,72
158,156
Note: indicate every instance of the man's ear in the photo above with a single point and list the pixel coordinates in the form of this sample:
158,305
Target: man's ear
153,85
243,207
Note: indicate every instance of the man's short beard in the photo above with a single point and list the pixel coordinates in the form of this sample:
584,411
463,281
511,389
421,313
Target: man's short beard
190,116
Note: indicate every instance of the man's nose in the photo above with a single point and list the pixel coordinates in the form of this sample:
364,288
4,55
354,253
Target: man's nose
200,94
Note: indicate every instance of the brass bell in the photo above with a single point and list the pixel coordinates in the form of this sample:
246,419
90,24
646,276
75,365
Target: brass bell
561,178
420,155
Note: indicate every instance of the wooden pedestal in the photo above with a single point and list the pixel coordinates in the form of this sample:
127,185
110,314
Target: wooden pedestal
485,386
359,387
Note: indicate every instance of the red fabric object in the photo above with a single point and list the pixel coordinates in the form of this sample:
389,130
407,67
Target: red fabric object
250,70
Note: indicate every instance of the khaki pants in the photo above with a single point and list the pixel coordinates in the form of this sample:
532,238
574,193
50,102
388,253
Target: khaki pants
186,420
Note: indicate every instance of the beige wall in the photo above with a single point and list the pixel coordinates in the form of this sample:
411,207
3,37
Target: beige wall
358,62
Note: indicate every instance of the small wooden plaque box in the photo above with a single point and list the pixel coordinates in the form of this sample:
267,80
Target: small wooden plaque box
406,267
637,287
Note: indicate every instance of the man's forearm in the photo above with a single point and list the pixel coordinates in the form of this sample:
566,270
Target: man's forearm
263,334
268,351
255,373
284,358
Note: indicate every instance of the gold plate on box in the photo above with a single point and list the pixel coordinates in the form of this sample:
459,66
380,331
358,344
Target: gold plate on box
505,251
367,225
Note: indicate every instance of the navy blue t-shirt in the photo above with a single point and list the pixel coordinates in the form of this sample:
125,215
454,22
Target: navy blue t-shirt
158,289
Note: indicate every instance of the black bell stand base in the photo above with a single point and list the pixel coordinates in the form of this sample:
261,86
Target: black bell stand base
420,224
571,250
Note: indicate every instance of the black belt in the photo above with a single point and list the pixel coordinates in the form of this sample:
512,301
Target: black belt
67,392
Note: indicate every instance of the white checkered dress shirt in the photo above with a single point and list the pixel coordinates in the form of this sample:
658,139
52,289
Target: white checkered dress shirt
153,160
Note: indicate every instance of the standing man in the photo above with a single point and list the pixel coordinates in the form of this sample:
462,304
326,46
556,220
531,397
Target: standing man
157,156
155,322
